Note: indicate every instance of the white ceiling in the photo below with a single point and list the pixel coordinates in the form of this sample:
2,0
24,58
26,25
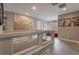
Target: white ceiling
43,11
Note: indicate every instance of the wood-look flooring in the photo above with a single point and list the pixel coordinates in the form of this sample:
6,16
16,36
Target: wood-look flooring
61,47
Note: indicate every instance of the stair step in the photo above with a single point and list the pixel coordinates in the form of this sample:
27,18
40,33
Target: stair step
44,51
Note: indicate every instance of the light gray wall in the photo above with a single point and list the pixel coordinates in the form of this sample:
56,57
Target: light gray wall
71,33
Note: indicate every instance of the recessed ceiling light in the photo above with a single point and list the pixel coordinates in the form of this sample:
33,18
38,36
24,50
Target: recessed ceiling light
64,9
49,17
26,13
34,7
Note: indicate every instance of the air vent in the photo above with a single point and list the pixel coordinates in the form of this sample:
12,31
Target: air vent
62,5
54,4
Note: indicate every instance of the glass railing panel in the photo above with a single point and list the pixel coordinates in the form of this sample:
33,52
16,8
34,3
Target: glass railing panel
23,42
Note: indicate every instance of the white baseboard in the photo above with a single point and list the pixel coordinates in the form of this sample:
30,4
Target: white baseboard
69,40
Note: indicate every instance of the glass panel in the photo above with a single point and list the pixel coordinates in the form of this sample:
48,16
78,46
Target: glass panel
23,42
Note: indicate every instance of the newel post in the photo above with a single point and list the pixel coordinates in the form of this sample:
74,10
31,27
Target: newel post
40,39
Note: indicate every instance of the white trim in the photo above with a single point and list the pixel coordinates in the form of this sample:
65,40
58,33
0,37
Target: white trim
69,40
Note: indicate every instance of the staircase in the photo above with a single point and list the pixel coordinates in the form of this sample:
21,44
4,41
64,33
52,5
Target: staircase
45,51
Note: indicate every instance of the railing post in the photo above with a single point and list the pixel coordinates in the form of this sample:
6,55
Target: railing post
30,37
40,39
52,39
52,35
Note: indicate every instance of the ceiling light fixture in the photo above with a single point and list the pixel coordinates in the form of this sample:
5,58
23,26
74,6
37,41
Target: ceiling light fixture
64,8
26,13
48,17
34,7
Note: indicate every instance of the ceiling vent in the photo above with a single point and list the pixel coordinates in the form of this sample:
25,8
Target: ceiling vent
54,4
62,5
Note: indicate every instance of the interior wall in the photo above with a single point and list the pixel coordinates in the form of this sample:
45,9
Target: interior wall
22,23
40,25
72,32
16,22
53,26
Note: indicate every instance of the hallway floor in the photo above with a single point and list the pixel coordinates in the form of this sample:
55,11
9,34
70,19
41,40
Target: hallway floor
61,47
